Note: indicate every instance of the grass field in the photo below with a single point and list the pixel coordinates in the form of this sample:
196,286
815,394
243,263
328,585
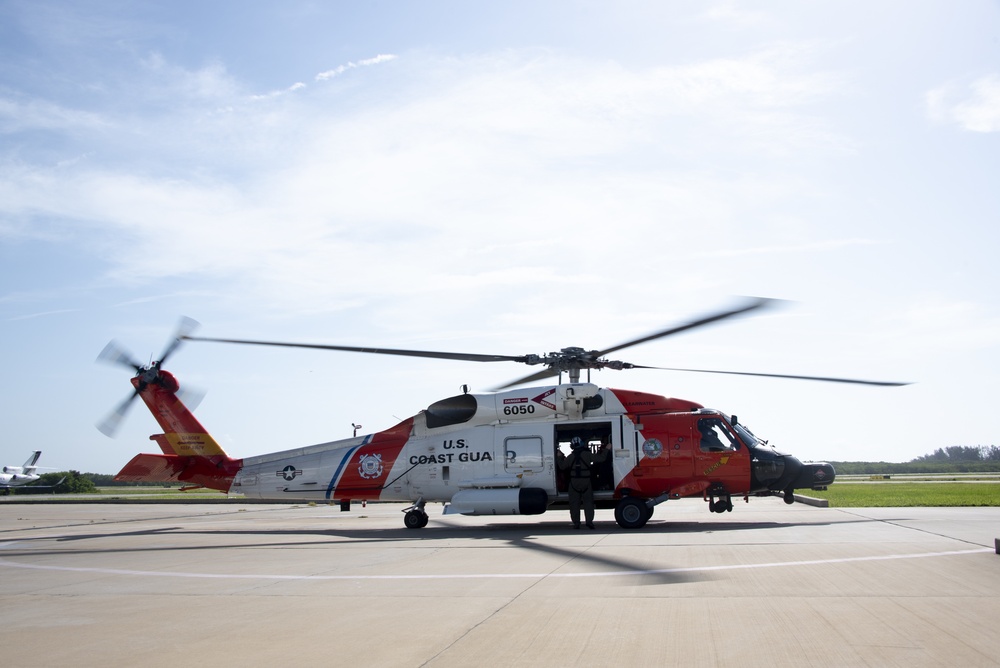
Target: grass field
932,494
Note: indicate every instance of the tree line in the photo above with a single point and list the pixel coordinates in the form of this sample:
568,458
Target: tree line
963,453
74,482
952,459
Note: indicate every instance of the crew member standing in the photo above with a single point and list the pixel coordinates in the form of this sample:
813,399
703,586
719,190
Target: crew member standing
581,487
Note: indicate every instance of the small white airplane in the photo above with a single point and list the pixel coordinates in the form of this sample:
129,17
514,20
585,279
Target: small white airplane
19,476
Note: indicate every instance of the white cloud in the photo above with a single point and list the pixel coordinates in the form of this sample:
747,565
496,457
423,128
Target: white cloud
275,93
510,168
340,69
178,84
815,247
19,115
975,108
31,316
937,325
730,13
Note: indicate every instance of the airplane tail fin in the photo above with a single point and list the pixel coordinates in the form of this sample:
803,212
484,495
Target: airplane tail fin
29,466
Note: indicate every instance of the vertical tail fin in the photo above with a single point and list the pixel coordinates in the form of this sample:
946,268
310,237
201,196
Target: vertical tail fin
29,465
190,454
182,432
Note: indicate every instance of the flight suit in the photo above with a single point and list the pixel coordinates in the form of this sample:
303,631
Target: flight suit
581,487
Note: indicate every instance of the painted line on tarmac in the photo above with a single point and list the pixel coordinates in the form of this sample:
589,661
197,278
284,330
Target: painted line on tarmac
495,576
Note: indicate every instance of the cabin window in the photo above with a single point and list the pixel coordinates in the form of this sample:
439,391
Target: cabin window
523,453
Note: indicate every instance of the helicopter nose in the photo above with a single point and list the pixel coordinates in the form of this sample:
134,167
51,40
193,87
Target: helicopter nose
815,475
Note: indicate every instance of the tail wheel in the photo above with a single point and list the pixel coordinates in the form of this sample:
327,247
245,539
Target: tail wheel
632,513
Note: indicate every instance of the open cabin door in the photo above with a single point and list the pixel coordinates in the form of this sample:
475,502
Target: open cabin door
626,443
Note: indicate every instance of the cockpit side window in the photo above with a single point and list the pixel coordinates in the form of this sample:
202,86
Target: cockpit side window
715,437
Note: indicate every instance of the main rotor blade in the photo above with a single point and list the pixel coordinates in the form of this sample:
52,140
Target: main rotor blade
754,304
113,353
538,375
464,357
825,379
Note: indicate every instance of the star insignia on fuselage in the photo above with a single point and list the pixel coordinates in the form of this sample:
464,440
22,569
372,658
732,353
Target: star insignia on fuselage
289,473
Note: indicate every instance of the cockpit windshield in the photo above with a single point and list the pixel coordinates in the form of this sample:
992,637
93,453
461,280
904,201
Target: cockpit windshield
747,436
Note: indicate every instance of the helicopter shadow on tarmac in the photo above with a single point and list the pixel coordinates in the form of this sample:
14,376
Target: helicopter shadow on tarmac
505,537
437,530
495,535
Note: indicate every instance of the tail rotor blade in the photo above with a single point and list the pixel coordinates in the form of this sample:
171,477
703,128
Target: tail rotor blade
184,329
191,397
109,426
113,353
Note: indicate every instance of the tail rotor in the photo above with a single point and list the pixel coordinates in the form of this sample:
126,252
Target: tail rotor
145,375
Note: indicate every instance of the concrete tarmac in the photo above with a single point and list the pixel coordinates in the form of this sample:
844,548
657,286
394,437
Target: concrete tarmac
252,585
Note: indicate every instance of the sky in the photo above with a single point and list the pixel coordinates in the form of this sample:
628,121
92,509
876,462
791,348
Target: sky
499,178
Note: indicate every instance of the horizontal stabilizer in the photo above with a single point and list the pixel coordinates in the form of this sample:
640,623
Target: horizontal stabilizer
215,473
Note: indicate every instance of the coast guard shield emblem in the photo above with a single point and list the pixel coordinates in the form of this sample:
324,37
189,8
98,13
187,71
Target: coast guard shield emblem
652,448
370,466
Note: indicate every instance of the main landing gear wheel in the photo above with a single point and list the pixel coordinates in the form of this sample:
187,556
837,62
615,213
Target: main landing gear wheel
415,519
723,505
632,513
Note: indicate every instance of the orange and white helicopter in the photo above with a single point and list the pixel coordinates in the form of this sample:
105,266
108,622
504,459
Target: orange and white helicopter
494,453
